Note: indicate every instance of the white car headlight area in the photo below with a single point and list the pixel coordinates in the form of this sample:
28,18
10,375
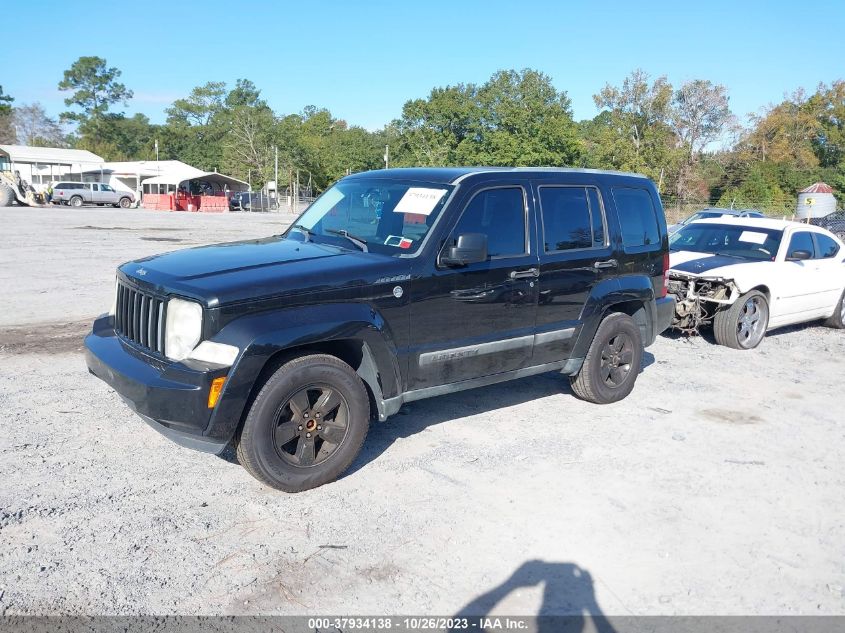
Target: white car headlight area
215,353
183,328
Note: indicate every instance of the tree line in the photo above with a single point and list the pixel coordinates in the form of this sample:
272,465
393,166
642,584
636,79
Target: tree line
686,138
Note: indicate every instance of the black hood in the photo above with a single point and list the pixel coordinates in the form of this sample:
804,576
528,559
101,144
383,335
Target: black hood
255,269
704,264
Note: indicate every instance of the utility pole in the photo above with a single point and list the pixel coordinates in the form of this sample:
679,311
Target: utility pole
276,181
387,156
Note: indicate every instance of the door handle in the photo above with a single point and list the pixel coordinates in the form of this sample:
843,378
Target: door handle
525,274
610,263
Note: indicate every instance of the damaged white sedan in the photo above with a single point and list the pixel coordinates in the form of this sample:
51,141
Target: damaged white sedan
745,276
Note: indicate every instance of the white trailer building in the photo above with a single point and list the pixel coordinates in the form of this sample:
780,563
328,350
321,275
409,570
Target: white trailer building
39,166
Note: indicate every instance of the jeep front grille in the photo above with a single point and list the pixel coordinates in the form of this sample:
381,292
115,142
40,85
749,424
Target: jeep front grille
139,317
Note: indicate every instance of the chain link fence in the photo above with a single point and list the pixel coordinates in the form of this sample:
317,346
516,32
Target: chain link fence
677,211
258,202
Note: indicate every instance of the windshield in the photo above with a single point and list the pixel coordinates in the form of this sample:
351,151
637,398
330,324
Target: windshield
389,216
747,242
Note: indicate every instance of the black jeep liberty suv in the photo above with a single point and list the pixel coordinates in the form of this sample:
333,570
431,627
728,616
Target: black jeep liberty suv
393,286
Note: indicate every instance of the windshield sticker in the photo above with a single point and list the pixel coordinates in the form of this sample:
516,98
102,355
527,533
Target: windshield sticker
753,236
421,200
398,241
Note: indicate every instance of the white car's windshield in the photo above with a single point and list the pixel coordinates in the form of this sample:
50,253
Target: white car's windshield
383,216
746,242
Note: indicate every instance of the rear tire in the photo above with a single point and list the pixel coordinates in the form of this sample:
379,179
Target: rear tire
837,319
612,363
306,425
743,324
76,201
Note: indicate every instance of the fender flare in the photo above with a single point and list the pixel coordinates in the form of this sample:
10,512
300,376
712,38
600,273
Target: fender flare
615,292
356,328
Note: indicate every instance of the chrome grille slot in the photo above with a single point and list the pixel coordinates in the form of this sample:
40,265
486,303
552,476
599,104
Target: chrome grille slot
139,317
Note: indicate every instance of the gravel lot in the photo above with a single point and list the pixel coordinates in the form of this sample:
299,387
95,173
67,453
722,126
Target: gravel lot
717,487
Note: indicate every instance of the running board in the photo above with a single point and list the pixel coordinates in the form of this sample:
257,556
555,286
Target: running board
390,406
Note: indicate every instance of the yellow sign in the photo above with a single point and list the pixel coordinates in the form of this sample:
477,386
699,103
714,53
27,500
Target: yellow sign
809,201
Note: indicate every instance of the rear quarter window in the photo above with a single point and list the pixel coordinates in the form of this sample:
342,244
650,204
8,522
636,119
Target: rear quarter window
637,216
827,246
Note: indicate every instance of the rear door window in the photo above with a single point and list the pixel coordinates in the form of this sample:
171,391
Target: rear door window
572,218
637,217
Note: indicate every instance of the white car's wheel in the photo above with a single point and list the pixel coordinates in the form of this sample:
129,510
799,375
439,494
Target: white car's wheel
837,319
743,324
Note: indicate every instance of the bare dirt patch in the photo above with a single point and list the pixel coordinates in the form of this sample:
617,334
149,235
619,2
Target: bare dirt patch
124,228
59,337
731,417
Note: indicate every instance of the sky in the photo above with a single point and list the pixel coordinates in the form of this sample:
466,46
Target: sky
364,60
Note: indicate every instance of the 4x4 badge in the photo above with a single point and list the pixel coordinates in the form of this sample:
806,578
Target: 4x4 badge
397,291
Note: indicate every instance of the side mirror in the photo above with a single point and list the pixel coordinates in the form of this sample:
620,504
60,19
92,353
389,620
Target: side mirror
795,256
469,248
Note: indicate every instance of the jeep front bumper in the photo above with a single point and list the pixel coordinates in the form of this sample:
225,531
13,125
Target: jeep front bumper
171,397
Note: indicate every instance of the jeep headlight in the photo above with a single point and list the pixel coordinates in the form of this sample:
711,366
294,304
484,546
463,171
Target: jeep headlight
183,328
114,298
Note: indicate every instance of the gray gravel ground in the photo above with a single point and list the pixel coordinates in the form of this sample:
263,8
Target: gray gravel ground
716,487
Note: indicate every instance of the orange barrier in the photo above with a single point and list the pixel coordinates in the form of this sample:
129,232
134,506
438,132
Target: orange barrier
184,202
213,204
158,201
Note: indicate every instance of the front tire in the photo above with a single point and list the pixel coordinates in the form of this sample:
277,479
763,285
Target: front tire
306,425
7,195
124,203
743,324
612,363
837,319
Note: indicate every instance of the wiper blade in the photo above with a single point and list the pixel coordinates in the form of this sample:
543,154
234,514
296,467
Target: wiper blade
305,230
358,241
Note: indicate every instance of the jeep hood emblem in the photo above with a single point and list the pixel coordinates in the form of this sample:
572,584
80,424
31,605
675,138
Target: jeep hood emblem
141,271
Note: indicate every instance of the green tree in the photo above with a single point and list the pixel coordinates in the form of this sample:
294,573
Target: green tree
515,118
440,130
244,94
7,128
639,114
94,89
5,102
116,137
828,105
634,130
199,107
700,115
525,121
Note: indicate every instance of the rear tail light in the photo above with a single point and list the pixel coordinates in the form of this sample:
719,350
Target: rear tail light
665,289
